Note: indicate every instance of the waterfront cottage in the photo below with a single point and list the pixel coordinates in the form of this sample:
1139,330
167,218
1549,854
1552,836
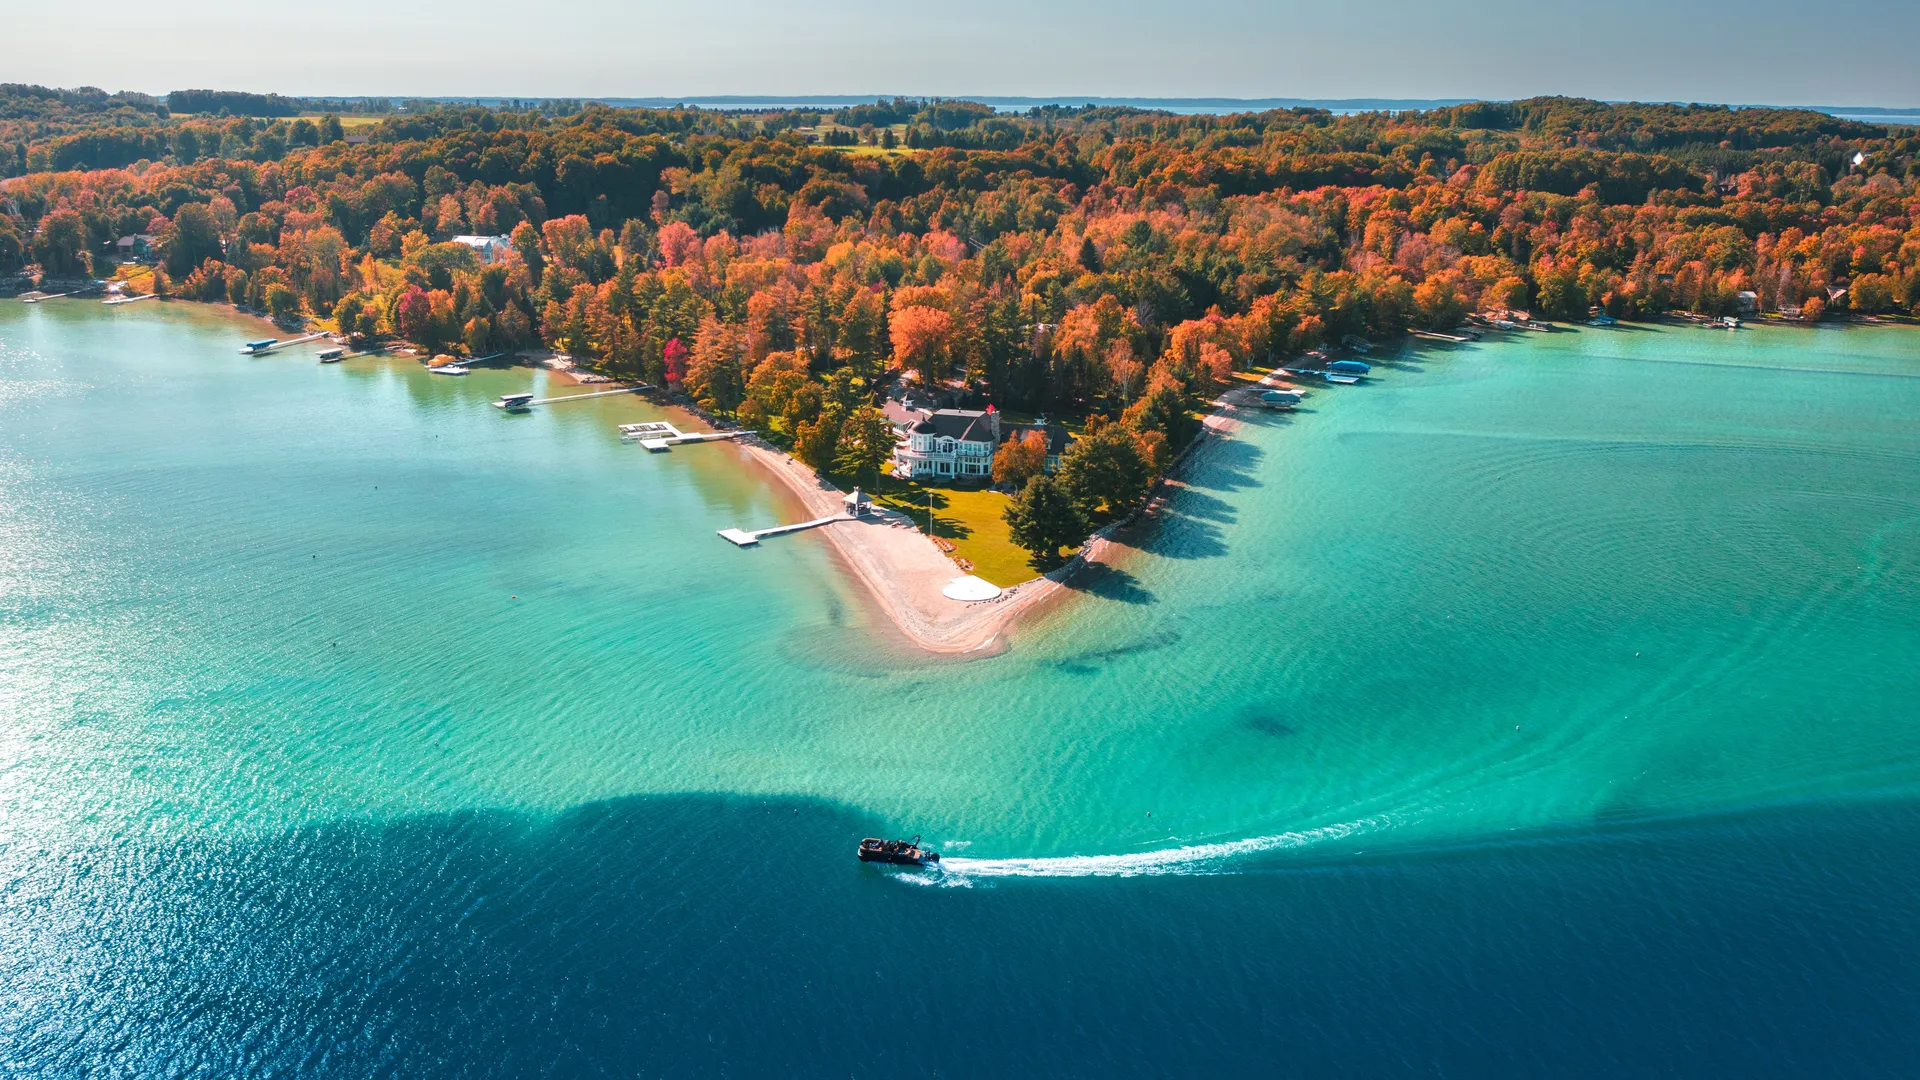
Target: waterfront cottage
137,247
949,444
958,444
1056,436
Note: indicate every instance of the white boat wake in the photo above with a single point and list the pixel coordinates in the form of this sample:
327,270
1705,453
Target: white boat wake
1190,860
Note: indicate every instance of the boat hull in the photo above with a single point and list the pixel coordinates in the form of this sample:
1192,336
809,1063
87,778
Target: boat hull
897,852
900,860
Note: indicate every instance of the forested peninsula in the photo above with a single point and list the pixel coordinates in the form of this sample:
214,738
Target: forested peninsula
1103,264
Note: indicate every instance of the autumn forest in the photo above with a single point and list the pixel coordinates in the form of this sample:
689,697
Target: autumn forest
1084,262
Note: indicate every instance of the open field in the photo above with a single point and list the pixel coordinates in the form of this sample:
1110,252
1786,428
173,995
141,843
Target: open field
970,520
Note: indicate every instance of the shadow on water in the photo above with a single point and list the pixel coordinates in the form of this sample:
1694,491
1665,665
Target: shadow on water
1200,506
1180,534
713,935
1090,661
1266,722
1224,465
1110,583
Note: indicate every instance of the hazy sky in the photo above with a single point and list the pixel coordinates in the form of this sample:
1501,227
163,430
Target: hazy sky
1747,51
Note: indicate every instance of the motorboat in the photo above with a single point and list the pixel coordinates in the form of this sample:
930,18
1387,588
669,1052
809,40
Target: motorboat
897,852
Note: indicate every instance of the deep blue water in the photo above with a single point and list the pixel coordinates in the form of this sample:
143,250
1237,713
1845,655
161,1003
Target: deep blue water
349,728
684,936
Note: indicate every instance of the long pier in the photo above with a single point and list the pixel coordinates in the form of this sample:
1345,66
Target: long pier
571,397
658,435
131,299
513,401
264,349
1435,335
745,538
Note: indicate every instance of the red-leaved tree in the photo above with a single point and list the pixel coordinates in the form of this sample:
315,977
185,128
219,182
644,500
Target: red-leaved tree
675,355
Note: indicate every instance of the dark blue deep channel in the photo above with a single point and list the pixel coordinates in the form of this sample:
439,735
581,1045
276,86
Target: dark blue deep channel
735,937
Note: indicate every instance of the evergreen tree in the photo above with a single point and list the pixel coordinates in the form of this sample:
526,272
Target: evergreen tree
1043,519
1105,472
866,442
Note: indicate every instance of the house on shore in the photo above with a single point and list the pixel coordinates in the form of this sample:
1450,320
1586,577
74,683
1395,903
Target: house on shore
1055,434
959,444
949,444
138,247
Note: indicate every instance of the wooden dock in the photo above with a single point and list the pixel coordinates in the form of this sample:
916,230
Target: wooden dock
572,397
658,435
744,538
1435,335
264,349
131,299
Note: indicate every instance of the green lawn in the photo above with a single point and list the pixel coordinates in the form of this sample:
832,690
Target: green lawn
899,134
970,520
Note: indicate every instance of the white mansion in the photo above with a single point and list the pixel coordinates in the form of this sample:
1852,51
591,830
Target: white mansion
958,444
950,443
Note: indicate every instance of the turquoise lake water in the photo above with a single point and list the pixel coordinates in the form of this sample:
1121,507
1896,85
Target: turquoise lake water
277,636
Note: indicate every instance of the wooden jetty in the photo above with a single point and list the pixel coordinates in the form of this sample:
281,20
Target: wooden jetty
262,350
1435,335
744,538
517,401
131,299
658,435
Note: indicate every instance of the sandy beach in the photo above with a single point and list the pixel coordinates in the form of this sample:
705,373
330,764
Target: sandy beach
904,572
902,569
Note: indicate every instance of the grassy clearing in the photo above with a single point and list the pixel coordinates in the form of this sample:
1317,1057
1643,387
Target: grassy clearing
968,519
899,133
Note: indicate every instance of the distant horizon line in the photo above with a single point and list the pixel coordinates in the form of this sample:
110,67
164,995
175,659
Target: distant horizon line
1031,100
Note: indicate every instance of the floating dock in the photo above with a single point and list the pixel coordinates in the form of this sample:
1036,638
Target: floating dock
259,348
131,299
1435,335
744,538
658,435
1334,377
522,401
